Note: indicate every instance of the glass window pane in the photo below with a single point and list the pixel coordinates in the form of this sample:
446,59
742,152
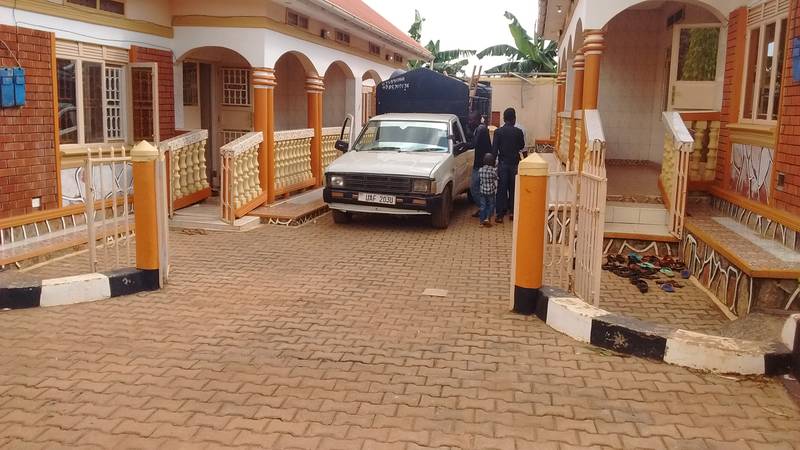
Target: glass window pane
112,6
143,113
767,56
776,94
190,95
89,3
92,102
752,63
67,102
697,55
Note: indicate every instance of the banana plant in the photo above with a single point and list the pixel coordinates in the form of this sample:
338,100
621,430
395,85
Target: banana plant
451,62
527,55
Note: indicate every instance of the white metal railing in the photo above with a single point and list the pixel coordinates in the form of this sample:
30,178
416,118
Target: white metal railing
293,160
561,216
106,178
678,146
591,209
187,168
329,137
239,181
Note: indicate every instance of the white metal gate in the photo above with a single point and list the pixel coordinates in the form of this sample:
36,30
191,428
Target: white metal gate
107,178
576,213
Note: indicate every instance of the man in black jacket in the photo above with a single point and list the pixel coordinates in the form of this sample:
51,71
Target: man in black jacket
477,138
509,141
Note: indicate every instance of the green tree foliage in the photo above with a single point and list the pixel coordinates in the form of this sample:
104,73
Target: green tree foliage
699,62
527,55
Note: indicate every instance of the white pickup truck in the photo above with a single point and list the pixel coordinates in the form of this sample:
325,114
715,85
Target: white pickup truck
402,164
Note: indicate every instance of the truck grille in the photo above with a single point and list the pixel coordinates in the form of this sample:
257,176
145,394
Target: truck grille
377,183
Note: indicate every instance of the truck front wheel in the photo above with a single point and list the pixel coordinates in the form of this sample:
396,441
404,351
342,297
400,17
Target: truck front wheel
441,217
341,216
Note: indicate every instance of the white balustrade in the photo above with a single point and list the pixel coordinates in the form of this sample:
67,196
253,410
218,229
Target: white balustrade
329,137
187,159
293,160
240,185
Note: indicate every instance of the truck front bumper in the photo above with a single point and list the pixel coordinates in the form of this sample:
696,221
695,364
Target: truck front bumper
405,204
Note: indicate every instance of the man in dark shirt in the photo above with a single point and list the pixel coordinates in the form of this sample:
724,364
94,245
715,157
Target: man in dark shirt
509,141
477,138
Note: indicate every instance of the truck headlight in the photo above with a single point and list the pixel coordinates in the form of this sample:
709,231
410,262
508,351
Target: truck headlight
422,186
337,181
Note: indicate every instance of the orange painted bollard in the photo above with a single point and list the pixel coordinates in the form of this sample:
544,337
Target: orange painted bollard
530,215
143,159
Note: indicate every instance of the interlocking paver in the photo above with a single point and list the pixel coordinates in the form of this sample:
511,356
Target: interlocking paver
318,337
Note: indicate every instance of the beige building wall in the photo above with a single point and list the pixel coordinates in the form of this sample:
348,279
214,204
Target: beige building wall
534,100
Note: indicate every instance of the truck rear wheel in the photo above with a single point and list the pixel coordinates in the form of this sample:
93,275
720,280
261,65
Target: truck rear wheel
441,217
341,216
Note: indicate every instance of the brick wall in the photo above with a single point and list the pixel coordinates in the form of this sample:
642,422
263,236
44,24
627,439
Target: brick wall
27,142
787,159
737,23
166,99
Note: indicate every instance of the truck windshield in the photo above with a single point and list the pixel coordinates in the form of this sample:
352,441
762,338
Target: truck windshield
403,136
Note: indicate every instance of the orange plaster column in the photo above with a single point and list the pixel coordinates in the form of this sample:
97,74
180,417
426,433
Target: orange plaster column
143,160
561,91
577,83
527,259
593,46
577,102
264,121
314,89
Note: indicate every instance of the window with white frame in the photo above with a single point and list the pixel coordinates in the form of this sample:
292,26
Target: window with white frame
91,93
235,87
765,51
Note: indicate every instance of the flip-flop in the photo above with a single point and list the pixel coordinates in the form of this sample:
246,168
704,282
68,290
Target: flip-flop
667,287
667,271
647,265
642,285
634,258
685,274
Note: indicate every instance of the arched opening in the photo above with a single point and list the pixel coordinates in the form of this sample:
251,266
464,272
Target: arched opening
338,99
291,110
369,84
216,95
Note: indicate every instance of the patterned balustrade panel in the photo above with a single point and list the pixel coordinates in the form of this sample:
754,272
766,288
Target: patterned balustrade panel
579,139
668,169
293,160
329,137
703,161
240,188
564,134
187,162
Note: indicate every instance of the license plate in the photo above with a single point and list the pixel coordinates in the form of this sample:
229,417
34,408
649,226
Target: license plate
383,199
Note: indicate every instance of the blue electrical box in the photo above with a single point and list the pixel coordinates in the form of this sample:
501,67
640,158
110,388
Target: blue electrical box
12,87
796,59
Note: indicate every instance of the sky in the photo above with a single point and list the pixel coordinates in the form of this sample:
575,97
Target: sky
464,24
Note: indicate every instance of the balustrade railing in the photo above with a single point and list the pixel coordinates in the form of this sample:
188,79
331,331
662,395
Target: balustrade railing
678,146
293,161
329,137
188,183
564,130
240,190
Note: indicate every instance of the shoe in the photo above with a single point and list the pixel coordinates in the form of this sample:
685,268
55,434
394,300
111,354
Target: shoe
487,224
477,214
498,220
510,217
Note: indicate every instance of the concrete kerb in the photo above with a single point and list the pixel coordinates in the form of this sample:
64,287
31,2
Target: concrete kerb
791,339
572,316
77,289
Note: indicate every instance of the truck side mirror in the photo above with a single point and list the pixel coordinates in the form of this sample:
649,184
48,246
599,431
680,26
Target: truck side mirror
341,145
459,148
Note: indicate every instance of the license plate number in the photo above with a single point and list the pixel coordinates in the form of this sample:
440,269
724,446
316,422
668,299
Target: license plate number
382,199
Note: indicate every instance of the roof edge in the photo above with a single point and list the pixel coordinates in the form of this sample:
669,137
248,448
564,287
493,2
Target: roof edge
542,18
343,13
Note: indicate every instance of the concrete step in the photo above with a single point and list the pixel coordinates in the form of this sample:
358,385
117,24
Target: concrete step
637,229
207,217
636,213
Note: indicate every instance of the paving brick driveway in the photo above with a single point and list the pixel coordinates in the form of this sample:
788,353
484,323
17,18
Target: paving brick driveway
318,337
